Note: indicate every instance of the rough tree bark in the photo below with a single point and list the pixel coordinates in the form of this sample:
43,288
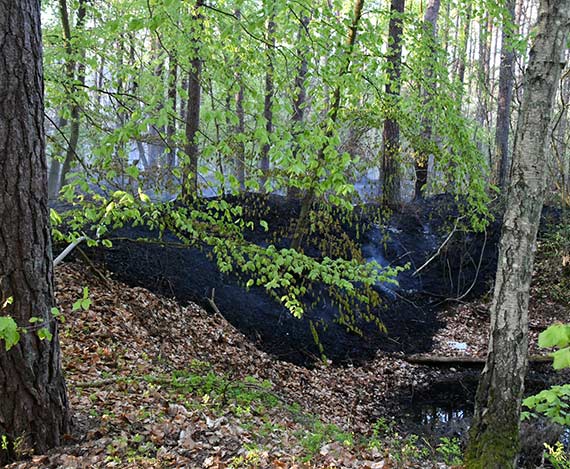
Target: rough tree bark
190,170
33,403
391,132
506,81
421,163
494,434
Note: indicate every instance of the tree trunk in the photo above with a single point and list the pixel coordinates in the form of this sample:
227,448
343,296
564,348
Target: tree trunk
268,102
506,81
55,166
70,66
239,160
483,80
190,171
391,131
303,222
494,433
421,163
33,404
300,98
171,126
561,143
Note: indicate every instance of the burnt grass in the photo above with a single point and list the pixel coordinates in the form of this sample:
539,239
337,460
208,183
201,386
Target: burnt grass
464,268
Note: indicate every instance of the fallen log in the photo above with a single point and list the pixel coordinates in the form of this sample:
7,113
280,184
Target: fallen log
439,360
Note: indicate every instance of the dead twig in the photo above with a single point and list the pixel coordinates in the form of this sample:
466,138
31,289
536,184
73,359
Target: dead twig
94,268
438,252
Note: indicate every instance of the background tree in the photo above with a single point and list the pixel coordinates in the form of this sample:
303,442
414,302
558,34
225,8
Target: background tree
391,159
33,407
494,434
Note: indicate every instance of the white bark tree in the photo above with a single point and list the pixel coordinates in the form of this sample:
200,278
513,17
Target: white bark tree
494,434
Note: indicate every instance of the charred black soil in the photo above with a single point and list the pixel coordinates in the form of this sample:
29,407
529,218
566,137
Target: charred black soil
462,266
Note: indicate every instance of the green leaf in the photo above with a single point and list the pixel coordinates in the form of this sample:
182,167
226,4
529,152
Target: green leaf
561,359
557,335
9,332
145,198
132,171
45,334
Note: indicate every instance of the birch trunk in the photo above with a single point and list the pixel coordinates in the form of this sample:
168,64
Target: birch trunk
494,434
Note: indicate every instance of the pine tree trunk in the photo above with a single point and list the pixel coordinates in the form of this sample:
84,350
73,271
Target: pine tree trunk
494,434
33,403
391,132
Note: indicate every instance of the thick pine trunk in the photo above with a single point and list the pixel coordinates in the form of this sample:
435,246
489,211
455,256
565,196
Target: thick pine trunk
33,402
391,132
494,434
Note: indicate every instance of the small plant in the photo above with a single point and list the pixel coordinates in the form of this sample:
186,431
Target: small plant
407,449
553,403
321,434
450,451
251,458
556,456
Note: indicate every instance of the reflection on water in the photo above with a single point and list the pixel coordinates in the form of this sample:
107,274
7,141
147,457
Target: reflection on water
438,420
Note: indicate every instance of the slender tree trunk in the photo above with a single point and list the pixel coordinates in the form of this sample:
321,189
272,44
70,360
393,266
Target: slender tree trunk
190,171
506,81
462,53
561,143
72,75
483,79
171,126
309,198
55,167
494,434
268,102
33,403
421,163
391,132
300,98
240,129
239,161
156,146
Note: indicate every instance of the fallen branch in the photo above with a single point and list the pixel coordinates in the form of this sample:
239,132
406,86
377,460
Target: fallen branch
438,252
95,269
67,250
463,361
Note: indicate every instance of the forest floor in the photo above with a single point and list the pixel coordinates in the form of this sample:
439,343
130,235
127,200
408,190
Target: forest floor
154,384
